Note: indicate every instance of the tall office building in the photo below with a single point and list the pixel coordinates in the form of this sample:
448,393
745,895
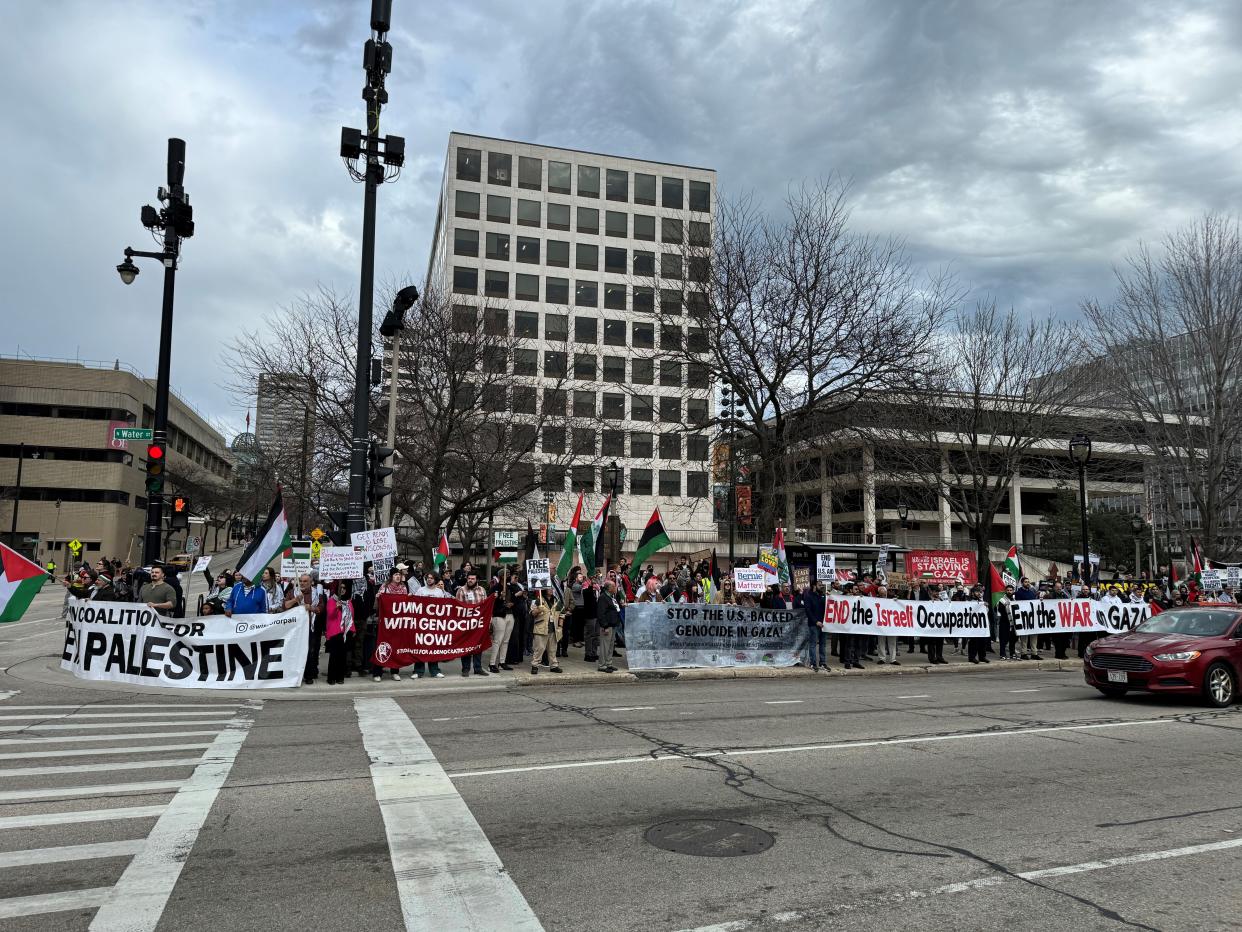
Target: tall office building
573,249
283,413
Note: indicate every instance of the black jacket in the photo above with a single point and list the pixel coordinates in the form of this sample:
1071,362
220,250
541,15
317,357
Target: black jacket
608,612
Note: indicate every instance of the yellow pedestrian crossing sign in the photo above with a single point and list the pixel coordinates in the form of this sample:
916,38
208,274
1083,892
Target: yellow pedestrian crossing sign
315,548
75,545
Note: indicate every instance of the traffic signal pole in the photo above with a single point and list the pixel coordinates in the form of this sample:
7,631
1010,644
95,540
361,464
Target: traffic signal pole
153,539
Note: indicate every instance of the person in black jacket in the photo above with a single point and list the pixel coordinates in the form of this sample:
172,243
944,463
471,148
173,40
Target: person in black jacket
608,618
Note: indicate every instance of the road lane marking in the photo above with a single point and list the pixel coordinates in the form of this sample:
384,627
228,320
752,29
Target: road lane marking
783,702
101,789
96,767
838,746
633,708
738,925
919,696
85,706
52,902
62,739
1035,690
94,752
9,694
102,849
50,716
456,718
73,726
448,874
137,901
41,819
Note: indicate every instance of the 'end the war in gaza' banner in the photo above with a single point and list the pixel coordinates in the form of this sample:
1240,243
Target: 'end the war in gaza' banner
1066,616
423,628
661,635
122,642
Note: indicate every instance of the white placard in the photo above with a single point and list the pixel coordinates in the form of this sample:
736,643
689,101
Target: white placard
507,540
201,564
341,563
538,574
379,544
1210,580
749,579
292,568
1233,576
826,566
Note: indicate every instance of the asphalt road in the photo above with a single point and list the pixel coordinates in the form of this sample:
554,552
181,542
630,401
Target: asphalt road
1014,799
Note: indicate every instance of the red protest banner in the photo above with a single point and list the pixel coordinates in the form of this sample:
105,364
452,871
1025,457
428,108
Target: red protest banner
942,566
413,628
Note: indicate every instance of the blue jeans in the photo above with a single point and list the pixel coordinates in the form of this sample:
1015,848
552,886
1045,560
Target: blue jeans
819,646
477,660
423,669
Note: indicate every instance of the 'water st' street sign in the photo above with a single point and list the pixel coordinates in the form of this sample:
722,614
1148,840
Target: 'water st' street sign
132,433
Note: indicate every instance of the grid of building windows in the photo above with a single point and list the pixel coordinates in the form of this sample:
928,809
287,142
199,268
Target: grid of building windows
564,245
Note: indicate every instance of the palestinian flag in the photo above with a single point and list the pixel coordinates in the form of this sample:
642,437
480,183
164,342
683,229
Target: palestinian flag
504,556
1012,570
782,564
20,581
654,539
532,542
591,544
1196,561
571,543
998,584
440,557
270,542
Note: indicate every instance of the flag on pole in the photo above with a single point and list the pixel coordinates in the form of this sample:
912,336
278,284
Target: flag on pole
998,585
440,558
1012,571
591,544
532,542
654,539
782,564
571,543
270,542
20,581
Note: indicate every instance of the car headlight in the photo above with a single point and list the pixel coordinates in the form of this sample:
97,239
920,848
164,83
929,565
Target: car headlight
1180,656
1090,649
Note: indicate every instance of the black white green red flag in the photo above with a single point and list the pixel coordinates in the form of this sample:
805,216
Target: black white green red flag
654,539
271,540
20,581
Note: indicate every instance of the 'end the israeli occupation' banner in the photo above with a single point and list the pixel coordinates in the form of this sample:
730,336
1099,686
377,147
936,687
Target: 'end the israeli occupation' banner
660,635
905,618
1064,616
122,642
425,628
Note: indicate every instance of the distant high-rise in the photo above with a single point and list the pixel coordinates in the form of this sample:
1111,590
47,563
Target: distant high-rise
283,413
573,249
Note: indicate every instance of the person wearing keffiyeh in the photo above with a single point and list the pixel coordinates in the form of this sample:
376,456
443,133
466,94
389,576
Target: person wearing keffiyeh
340,622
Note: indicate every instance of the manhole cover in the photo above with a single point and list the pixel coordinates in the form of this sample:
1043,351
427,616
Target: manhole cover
709,838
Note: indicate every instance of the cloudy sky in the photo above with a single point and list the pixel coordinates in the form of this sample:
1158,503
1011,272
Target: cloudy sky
1028,145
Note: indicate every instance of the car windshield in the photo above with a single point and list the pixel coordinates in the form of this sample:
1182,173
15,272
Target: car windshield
1192,622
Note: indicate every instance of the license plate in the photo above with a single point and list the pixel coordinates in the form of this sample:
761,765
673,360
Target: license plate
1118,676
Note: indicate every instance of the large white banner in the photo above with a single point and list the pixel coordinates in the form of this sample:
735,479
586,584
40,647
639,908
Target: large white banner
904,618
123,642
1065,616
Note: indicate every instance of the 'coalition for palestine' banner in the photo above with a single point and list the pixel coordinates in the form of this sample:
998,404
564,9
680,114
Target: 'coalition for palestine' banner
126,643
1061,616
660,635
416,628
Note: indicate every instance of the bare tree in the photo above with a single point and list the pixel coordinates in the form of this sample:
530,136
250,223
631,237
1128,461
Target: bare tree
998,391
800,315
1172,338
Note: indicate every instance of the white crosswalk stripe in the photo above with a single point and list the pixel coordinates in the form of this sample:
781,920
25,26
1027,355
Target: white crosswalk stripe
127,879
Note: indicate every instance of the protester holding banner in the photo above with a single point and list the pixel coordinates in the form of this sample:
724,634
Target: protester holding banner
472,594
432,588
157,594
273,591
312,598
502,629
396,585
339,625
608,620
245,599
813,602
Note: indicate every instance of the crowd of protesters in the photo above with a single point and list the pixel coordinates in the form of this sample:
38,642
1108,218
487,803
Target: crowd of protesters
537,628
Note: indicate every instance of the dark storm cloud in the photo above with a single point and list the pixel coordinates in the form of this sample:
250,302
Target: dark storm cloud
1028,146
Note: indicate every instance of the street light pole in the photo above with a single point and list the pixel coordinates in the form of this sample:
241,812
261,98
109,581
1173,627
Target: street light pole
177,222
1080,452
377,155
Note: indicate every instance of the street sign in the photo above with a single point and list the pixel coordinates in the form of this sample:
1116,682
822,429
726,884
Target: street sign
132,433
76,546
316,549
316,534
192,544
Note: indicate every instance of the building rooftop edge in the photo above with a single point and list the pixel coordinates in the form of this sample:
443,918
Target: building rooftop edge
603,155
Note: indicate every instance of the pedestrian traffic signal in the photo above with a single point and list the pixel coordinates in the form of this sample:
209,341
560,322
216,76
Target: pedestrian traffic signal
155,469
338,535
180,517
378,473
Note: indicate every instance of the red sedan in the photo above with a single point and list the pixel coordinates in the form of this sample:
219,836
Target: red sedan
1190,650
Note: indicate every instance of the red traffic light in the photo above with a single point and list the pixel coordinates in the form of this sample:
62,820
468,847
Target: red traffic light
155,452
